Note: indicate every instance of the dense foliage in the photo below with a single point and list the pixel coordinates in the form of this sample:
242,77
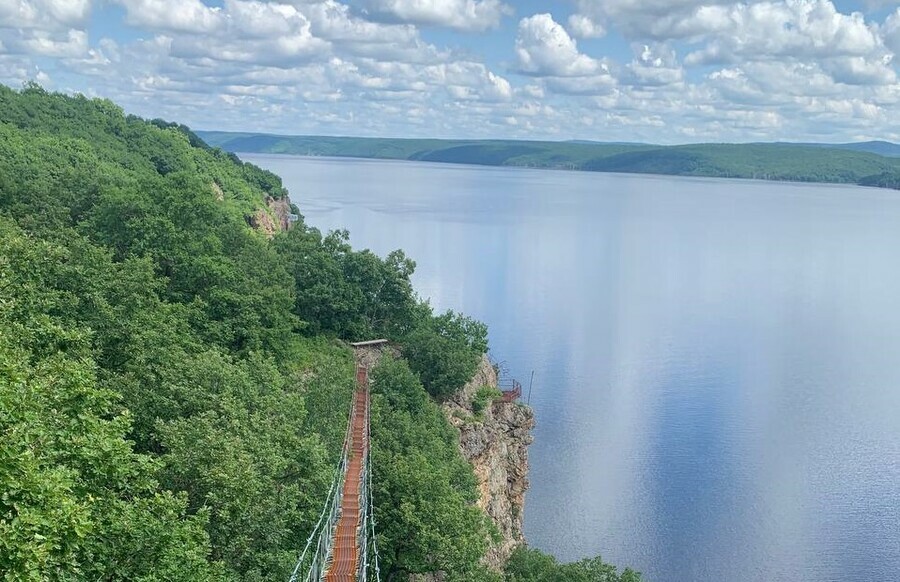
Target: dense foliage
78,502
528,565
137,285
445,350
178,369
860,163
174,385
424,503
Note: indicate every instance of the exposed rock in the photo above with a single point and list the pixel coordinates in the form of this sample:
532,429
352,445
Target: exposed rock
496,444
218,192
281,210
274,218
262,221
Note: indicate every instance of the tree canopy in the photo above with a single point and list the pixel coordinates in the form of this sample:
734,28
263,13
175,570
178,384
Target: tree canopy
174,383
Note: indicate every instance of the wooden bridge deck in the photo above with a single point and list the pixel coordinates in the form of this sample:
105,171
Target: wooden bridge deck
345,554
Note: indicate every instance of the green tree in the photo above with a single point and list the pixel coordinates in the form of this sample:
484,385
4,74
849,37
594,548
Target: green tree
77,502
531,565
445,350
424,490
353,295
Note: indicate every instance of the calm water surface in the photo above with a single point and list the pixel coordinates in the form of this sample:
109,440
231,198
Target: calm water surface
717,363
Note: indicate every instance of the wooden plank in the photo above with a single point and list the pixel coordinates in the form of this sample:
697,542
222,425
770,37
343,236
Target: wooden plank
374,342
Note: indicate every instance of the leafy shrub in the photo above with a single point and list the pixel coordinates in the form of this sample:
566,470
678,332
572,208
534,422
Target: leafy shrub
444,351
528,565
483,397
424,489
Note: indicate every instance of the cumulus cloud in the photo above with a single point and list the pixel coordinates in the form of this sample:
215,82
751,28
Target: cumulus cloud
333,21
861,71
191,16
891,31
645,18
544,48
654,66
254,32
796,29
73,44
728,31
303,61
47,28
466,15
582,26
44,14
699,69
852,50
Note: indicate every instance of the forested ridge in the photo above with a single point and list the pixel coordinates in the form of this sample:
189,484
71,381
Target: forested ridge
866,164
174,384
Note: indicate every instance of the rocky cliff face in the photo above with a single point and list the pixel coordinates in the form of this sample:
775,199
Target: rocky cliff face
274,218
496,443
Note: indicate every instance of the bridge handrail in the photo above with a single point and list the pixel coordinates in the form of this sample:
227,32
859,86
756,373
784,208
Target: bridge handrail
322,559
510,389
371,503
335,492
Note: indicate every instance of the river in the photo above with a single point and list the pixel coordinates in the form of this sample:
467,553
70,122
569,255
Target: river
716,362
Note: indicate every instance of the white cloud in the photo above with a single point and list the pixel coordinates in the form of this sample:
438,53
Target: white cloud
191,16
466,15
861,71
333,21
544,48
781,68
794,28
891,31
34,42
582,26
644,18
47,28
44,14
654,66
73,44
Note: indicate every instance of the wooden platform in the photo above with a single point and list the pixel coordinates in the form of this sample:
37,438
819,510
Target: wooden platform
374,342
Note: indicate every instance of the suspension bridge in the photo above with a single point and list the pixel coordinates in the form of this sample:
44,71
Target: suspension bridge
342,546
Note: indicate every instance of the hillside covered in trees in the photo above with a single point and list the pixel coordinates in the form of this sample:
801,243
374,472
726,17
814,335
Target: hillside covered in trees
174,383
867,164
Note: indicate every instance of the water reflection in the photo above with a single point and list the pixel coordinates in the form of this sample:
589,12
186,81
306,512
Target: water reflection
718,392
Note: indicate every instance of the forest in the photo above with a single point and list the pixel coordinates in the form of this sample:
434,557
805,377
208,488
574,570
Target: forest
174,383
865,164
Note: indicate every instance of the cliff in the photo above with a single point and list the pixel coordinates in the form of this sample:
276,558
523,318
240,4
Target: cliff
275,217
495,442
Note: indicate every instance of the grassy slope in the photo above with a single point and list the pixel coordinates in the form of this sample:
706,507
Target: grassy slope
847,163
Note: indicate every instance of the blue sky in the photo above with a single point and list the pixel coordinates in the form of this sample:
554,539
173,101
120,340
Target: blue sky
664,71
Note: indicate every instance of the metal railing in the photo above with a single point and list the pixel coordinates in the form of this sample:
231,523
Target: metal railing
317,563
362,537
510,389
324,529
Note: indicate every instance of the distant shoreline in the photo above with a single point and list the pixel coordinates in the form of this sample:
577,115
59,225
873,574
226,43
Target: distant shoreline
850,164
462,165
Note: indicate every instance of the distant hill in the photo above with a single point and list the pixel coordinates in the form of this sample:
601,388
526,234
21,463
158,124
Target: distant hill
882,148
868,163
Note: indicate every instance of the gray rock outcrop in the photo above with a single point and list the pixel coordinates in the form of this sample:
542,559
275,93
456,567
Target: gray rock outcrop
495,441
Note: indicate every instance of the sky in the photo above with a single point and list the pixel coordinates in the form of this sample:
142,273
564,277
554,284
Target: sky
660,71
